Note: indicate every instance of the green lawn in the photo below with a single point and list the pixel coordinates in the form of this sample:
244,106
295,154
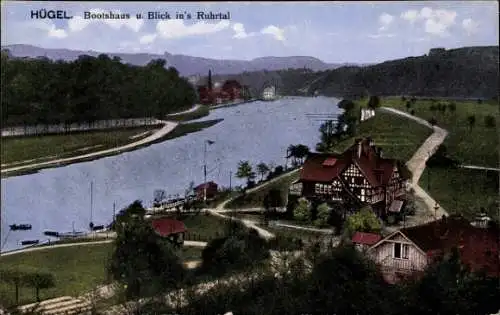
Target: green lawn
179,131
76,269
202,111
477,145
462,191
49,147
256,198
203,227
399,137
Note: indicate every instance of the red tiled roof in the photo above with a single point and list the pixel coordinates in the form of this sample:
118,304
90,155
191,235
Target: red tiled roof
208,184
478,246
166,226
326,167
439,234
366,238
480,250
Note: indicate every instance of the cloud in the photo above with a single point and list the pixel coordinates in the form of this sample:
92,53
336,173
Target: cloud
470,26
78,23
50,29
382,35
435,22
170,29
410,15
385,20
276,32
240,32
147,39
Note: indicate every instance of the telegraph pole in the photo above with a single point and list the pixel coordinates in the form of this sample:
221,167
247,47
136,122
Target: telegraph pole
205,172
230,178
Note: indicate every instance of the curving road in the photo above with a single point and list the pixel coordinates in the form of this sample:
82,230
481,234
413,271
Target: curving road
417,162
168,126
192,109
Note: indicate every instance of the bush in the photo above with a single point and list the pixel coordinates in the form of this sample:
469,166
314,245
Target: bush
240,249
303,211
365,220
323,215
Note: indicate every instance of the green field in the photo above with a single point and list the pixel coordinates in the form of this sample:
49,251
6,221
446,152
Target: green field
476,145
76,269
204,227
49,147
461,191
255,198
399,137
179,131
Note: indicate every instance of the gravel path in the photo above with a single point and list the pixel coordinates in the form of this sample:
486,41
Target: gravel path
417,163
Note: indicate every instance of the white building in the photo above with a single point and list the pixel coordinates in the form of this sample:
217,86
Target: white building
269,93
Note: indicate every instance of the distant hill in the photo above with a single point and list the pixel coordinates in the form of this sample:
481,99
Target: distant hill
469,72
186,65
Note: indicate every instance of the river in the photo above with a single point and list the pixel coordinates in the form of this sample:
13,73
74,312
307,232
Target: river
54,199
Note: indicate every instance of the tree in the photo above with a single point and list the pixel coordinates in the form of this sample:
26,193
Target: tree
40,280
245,171
323,215
471,119
262,169
489,121
365,220
373,102
301,152
135,209
302,212
142,261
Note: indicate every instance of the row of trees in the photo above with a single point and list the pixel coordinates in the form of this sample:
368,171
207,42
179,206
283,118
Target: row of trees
42,91
332,132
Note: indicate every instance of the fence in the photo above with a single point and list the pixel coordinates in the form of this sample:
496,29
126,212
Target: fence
43,129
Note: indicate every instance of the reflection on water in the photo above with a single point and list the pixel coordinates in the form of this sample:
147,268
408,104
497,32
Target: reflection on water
54,199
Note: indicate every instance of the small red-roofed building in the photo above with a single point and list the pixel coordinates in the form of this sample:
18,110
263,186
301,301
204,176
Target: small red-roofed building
172,229
363,240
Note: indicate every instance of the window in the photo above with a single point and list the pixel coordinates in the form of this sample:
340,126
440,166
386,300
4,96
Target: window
401,251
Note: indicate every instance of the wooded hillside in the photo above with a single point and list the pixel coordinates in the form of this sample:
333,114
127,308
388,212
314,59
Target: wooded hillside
469,72
42,91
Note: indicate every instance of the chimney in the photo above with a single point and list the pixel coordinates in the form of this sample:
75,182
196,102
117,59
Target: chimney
359,148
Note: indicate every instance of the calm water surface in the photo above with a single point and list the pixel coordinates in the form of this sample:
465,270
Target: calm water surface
54,199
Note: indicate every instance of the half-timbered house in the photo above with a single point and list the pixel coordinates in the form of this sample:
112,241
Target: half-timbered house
407,252
361,174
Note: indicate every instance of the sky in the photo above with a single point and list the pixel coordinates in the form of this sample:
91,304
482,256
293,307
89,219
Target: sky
359,32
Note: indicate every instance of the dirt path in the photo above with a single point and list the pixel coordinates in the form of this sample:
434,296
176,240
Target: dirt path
417,163
168,127
192,109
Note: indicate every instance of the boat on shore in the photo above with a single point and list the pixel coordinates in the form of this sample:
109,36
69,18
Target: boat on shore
51,233
30,242
22,227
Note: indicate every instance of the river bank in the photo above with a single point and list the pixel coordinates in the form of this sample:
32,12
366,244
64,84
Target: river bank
170,130
54,198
